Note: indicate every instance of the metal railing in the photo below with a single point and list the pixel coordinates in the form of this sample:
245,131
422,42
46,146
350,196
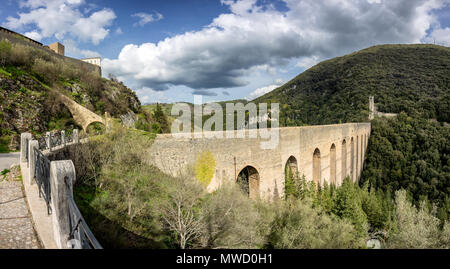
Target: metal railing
42,177
69,138
55,139
80,234
52,140
42,143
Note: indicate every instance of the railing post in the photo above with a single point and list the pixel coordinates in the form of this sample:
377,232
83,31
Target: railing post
76,138
60,173
48,140
63,138
24,138
34,144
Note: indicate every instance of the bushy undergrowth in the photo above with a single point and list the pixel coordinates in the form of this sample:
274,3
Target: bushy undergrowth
47,68
131,204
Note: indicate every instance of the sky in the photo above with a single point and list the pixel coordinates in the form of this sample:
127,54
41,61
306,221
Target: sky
170,50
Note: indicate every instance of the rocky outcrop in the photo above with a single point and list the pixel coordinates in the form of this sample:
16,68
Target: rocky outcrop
129,119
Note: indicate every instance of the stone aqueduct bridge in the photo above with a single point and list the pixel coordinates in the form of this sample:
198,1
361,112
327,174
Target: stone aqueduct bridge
320,153
81,115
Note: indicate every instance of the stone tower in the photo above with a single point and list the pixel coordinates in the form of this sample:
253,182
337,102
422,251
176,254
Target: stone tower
371,108
57,48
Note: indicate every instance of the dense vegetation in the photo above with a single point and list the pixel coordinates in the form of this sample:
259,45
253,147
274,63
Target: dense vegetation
130,204
31,80
413,154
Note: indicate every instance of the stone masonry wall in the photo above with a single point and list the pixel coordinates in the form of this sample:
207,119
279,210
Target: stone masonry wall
172,155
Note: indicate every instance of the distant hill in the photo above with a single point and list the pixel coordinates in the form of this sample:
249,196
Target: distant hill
410,78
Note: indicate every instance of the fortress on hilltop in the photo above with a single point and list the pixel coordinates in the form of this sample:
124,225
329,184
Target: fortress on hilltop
57,48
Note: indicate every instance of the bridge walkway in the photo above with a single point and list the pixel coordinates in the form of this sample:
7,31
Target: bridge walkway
16,227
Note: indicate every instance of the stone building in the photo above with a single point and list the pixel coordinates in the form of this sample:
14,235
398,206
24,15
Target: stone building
373,110
95,60
57,48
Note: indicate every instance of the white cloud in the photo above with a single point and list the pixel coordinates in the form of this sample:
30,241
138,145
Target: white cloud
33,35
279,81
148,95
72,50
226,52
307,62
62,18
261,91
439,37
145,18
119,31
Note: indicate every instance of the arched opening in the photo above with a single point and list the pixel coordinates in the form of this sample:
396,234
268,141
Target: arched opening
291,165
316,166
95,128
362,153
364,147
248,180
352,159
333,164
357,158
344,160
366,141
290,175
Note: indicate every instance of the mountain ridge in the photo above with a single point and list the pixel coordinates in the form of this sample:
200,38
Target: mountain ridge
413,78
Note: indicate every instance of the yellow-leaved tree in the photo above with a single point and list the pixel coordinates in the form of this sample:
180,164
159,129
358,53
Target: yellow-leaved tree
205,166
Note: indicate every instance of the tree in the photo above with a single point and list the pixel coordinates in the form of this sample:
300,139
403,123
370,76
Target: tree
417,227
290,187
230,220
180,212
298,225
348,205
161,118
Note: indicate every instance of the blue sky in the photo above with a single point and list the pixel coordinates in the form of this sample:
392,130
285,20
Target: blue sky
223,49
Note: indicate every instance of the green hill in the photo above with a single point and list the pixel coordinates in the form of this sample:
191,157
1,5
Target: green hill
410,78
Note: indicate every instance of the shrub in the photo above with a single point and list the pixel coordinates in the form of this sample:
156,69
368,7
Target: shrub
47,71
298,225
5,52
21,55
230,220
416,227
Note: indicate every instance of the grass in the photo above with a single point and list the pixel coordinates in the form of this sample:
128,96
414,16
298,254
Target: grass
4,72
3,173
4,141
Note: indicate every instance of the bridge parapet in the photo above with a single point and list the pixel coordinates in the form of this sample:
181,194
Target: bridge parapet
54,181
